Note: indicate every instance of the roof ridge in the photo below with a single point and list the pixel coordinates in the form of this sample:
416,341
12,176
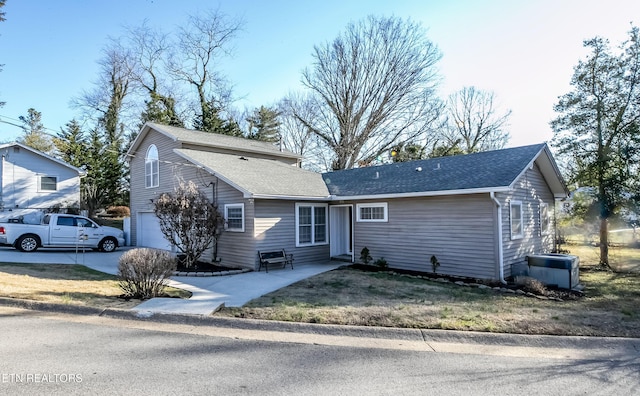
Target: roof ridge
443,158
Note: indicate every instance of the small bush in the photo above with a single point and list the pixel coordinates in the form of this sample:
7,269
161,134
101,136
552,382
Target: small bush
434,263
144,272
531,285
365,257
381,262
118,211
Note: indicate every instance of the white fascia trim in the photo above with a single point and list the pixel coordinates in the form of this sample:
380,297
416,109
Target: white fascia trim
81,173
526,168
422,194
287,197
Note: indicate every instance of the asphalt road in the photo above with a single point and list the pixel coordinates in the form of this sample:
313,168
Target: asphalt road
54,353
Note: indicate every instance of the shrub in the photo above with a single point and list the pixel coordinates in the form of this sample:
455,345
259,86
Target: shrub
381,262
144,272
365,257
189,221
531,285
118,211
434,263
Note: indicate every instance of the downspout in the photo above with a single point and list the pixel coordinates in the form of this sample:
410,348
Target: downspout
500,242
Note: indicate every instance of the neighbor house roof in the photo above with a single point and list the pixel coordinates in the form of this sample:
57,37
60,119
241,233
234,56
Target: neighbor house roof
462,174
40,153
215,140
260,178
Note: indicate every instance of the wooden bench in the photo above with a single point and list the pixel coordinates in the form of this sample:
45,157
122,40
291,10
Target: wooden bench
275,257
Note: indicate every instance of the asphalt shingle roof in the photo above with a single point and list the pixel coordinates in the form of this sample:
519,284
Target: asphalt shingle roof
222,141
490,169
260,176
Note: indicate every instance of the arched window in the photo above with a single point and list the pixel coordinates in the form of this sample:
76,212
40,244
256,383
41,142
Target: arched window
151,172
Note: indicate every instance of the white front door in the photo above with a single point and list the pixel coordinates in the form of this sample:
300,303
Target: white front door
341,228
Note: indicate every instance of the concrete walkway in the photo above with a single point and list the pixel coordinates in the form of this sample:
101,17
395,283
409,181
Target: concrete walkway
208,293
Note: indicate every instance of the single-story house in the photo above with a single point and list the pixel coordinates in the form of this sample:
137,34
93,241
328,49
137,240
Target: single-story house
30,179
479,214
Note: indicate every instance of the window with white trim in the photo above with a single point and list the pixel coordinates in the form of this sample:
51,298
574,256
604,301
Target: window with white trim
48,183
234,217
545,220
151,167
374,212
517,222
311,224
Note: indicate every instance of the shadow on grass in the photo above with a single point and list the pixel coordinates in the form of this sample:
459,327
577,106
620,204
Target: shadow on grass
55,271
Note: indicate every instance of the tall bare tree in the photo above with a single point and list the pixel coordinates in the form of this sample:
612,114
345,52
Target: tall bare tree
474,124
149,49
201,45
298,137
108,105
597,130
375,87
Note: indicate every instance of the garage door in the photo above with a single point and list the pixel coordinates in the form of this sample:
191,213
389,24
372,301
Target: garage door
149,234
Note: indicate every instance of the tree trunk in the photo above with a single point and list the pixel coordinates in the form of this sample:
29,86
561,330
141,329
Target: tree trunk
604,243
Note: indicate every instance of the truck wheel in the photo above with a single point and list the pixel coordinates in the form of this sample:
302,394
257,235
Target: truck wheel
27,243
108,245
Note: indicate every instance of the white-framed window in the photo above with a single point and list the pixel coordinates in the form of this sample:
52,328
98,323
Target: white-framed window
516,218
234,217
151,167
545,219
374,212
311,224
48,183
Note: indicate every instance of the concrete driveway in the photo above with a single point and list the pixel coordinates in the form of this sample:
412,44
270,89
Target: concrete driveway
209,292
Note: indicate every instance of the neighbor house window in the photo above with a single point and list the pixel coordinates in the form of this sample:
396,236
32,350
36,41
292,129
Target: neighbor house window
311,224
544,218
234,217
151,170
516,220
48,183
372,212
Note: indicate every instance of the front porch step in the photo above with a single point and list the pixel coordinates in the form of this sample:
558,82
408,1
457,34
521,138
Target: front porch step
343,257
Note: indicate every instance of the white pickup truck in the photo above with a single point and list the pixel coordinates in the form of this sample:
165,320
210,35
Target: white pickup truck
61,230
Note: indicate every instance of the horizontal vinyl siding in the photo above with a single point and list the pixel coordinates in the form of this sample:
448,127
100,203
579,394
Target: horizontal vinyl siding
140,197
531,190
236,249
275,228
21,181
458,230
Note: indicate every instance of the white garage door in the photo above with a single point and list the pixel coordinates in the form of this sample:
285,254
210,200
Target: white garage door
149,234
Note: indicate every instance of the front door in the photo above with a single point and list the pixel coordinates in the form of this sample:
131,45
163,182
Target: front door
341,228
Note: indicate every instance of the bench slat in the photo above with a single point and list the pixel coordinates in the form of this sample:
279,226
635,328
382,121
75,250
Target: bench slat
274,257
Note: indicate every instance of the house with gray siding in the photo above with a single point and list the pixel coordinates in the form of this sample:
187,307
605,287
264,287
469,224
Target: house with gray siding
479,214
31,180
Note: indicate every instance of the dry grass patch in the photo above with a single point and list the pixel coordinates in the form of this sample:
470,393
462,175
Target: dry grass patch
66,284
353,297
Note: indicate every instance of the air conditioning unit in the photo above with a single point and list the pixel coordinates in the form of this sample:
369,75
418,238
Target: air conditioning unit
552,269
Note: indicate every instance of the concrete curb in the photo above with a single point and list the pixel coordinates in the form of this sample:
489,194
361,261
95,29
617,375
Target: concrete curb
436,337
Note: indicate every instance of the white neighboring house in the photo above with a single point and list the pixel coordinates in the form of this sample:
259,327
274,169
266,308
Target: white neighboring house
30,179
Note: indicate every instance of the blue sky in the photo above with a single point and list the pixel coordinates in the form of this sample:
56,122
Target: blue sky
524,51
